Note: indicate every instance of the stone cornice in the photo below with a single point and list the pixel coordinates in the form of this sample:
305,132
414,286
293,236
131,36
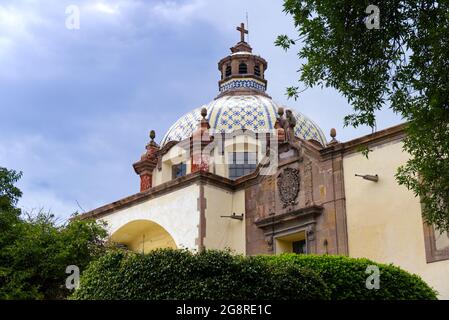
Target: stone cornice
308,215
380,137
145,165
242,92
157,191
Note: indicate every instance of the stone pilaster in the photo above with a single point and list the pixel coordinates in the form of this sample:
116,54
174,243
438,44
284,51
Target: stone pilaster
144,168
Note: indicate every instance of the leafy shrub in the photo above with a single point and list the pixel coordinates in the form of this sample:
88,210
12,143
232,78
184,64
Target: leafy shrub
346,277
180,274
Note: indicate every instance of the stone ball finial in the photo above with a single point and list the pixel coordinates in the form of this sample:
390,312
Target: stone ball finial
204,113
333,133
152,135
280,111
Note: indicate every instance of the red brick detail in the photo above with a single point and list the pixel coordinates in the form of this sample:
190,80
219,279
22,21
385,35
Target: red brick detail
144,168
200,139
200,163
146,181
281,135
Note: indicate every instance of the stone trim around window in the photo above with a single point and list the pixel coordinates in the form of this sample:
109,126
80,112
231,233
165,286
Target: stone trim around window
432,253
285,224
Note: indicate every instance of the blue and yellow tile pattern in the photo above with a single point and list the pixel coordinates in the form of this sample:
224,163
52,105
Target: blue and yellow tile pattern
230,113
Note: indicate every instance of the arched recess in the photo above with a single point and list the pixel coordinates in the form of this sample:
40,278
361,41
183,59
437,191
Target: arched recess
143,236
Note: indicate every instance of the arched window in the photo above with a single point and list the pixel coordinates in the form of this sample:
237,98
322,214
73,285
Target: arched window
243,68
257,70
228,71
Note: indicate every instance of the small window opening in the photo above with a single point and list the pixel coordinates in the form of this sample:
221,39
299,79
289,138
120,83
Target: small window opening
179,170
243,68
257,71
228,71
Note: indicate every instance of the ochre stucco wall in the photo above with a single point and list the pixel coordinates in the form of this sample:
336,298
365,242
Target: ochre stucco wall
384,219
222,233
176,212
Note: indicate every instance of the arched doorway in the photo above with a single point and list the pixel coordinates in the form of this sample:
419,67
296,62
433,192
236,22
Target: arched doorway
143,236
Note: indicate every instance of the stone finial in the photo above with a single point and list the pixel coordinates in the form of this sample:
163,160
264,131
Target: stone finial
152,146
280,125
204,113
152,135
148,161
290,118
333,135
280,112
289,125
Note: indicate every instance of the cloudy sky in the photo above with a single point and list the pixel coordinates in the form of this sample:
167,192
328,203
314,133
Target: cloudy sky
76,105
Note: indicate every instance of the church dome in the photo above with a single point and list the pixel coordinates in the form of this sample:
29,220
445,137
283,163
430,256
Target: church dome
242,102
256,113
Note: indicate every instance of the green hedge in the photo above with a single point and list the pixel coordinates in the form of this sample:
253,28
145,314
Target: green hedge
180,274
346,278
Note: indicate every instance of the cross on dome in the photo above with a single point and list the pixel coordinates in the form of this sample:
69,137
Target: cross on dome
243,31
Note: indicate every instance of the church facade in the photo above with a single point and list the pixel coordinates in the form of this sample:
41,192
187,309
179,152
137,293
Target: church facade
246,173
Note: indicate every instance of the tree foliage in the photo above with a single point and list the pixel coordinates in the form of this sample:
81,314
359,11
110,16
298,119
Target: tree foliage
35,250
402,65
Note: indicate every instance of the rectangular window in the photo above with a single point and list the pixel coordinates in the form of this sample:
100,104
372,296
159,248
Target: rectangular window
179,170
241,164
436,244
299,247
293,243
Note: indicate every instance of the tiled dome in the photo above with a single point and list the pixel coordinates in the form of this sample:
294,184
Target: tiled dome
251,112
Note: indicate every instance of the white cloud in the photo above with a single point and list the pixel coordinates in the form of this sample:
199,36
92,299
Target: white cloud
178,12
103,7
11,20
13,28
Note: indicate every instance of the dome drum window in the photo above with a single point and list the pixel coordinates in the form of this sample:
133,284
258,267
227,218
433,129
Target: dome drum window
243,68
228,71
257,71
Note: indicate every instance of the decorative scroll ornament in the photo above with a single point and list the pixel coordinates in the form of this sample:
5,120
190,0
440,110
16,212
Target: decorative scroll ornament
288,185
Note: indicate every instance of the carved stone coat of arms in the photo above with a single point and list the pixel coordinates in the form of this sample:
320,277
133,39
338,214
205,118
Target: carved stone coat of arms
288,186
